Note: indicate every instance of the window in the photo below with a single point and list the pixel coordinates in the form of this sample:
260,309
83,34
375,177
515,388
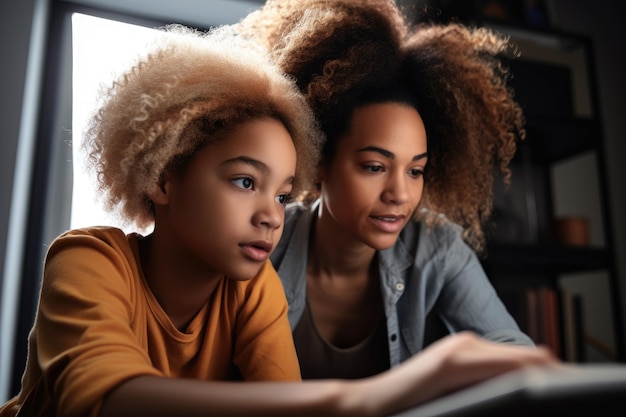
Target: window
101,50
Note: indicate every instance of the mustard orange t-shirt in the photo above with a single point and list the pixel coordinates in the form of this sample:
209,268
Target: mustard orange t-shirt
98,325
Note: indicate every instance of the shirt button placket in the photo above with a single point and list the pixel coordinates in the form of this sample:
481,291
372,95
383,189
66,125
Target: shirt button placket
399,289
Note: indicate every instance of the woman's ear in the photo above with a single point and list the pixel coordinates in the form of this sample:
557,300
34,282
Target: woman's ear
321,174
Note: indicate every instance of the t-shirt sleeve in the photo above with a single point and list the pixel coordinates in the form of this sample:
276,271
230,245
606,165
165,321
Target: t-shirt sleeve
85,344
264,347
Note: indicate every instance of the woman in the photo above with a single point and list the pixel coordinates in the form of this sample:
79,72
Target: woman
418,120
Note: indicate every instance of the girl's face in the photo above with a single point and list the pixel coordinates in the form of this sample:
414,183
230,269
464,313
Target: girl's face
225,210
374,184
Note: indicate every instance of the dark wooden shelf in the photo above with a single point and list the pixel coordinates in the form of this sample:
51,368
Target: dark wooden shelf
552,74
554,138
544,258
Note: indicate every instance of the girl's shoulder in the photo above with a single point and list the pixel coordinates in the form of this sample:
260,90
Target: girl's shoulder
95,242
97,232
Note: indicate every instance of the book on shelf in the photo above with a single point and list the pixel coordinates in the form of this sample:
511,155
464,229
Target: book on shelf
573,327
550,317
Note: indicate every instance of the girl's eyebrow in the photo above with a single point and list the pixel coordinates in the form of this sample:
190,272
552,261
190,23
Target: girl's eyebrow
249,161
260,166
388,154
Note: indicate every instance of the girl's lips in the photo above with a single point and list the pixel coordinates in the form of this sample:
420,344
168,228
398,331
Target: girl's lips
388,223
257,251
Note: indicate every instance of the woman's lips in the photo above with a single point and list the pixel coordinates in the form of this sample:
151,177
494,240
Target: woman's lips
389,223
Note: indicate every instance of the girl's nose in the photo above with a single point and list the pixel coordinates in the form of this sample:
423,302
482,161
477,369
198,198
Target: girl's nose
269,213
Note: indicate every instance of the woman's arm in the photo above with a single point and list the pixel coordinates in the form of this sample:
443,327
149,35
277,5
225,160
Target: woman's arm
450,364
468,300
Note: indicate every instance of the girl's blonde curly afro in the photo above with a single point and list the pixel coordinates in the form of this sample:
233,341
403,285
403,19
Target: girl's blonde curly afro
349,53
190,87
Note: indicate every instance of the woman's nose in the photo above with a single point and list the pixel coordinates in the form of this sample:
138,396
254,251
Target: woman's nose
396,190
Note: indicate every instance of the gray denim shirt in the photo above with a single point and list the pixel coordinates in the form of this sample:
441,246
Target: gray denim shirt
424,270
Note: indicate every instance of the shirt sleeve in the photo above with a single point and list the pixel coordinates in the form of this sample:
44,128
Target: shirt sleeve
468,300
264,347
85,344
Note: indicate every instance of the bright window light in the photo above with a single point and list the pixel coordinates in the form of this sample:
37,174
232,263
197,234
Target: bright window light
102,49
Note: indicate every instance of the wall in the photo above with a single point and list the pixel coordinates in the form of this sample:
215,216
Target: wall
19,47
14,37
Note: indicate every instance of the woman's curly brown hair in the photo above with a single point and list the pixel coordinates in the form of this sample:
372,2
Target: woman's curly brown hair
189,89
340,51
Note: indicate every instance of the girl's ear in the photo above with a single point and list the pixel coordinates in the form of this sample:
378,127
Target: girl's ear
161,196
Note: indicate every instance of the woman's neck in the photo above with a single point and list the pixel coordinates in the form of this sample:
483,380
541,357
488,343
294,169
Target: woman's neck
343,285
335,252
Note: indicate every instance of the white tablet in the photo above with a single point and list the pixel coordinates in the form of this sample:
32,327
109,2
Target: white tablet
581,389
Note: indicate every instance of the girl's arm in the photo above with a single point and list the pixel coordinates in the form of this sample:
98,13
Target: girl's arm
450,364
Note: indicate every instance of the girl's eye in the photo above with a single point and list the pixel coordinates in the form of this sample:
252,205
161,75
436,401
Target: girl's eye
416,172
284,199
373,168
245,182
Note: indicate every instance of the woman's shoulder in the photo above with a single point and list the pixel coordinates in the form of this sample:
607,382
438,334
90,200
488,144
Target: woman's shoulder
295,210
294,213
432,227
295,237
431,237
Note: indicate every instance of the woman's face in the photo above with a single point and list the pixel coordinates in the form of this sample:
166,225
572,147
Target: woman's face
225,210
374,184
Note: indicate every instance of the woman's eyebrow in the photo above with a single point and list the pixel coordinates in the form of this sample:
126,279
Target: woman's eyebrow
388,154
381,151
420,156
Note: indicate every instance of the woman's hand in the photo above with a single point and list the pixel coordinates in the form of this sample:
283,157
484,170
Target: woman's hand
452,363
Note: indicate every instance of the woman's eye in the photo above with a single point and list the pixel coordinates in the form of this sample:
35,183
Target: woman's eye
245,182
373,168
284,199
416,173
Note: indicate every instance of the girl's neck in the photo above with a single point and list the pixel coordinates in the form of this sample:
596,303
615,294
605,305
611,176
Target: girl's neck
180,287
